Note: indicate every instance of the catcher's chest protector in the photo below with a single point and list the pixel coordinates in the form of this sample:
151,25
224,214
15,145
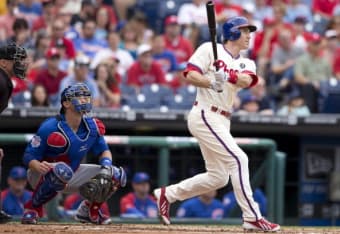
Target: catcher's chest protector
78,148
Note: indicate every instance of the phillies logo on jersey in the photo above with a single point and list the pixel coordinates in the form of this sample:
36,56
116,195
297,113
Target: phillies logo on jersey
221,65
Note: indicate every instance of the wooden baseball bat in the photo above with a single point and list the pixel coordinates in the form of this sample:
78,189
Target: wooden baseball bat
212,27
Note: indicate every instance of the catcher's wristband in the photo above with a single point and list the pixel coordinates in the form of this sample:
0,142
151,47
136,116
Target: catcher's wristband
105,162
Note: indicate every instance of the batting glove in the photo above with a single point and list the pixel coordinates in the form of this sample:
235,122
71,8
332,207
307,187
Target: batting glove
218,83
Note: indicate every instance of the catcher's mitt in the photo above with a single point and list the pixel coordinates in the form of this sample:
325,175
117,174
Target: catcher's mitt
100,187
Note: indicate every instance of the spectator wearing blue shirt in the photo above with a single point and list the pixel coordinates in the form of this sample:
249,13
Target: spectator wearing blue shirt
203,206
30,7
81,70
164,57
229,202
139,203
296,8
88,44
15,196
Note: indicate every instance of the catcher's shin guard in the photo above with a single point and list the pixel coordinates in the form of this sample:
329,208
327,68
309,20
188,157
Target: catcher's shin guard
51,183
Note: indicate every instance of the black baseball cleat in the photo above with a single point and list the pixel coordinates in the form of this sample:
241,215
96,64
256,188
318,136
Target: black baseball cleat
4,217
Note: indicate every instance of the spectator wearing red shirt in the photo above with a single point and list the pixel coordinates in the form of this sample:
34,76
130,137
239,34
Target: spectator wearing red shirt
323,11
299,32
265,40
145,70
47,17
324,7
108,80
111,14
51,76
58,29
336,64
174,42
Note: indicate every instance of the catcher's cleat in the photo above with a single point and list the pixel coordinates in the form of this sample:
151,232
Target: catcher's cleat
30,217
261,225
4,217
163,205
83,215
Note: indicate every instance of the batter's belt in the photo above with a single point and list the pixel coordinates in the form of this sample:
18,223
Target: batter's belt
216,110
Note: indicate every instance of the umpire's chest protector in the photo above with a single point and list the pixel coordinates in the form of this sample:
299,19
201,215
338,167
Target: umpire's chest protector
77,147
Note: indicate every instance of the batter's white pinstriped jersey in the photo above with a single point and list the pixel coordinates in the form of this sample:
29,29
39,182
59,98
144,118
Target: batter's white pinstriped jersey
203,60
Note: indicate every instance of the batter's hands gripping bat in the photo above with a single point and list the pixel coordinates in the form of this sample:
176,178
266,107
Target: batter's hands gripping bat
212,27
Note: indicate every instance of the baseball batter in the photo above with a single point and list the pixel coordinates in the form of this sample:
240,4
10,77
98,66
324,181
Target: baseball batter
54,155
209,122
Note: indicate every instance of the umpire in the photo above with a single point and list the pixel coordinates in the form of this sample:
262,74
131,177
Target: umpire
12,63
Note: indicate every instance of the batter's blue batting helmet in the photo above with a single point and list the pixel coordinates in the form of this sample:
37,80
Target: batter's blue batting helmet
231,28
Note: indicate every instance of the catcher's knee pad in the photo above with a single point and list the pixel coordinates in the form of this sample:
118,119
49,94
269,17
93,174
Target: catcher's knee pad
63,172
59,176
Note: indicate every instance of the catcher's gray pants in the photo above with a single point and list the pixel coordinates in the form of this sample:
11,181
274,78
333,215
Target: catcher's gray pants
83,174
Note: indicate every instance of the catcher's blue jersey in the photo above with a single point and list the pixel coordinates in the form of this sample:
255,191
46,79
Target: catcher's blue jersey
55,141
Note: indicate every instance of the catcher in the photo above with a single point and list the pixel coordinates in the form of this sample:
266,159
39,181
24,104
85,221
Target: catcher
54,155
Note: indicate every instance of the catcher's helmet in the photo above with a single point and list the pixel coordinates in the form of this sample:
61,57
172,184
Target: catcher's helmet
231,28
17,54
73,93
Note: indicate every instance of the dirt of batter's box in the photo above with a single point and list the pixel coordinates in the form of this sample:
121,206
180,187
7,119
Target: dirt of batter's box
16,228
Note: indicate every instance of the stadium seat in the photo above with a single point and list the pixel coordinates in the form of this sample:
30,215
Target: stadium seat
188,92
178,102
329,90
127,93
142,101
162,92
331,103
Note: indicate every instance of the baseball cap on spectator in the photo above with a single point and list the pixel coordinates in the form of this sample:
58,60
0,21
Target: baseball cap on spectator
52,53
314,38
331,34
82,60
142,49
249,7
140,177
18,173
172,19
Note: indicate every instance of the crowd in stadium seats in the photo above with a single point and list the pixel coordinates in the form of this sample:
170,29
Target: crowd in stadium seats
131,53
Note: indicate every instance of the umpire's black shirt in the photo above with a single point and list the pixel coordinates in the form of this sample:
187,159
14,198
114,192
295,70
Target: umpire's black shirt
6,88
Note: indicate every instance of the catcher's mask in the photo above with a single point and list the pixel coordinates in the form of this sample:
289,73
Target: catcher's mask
80,97
18,55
